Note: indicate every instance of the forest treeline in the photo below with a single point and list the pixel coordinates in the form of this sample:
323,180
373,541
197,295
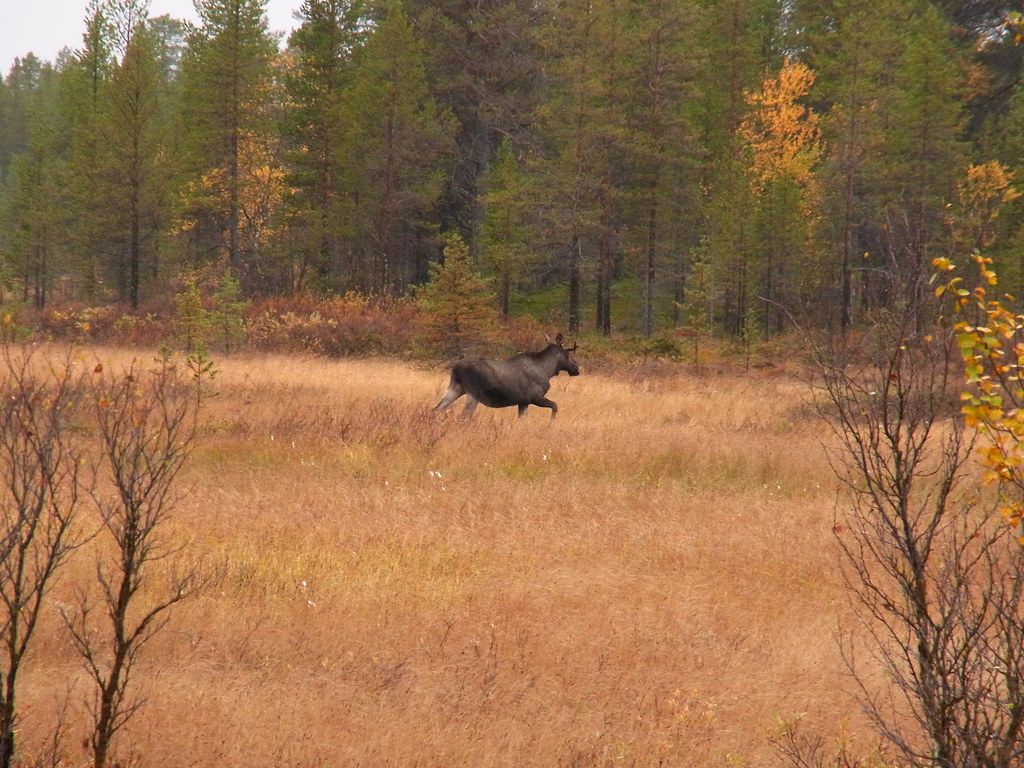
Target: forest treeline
641,165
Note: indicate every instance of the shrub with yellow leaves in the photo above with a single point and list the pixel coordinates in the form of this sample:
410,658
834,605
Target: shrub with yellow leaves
990,336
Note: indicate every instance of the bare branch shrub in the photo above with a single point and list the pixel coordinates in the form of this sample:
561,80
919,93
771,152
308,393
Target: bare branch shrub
936,580
41,486
146,421
801,748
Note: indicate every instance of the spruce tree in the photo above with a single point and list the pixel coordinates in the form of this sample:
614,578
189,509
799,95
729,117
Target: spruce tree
915,155
920,155
1007,144
457,304
852,64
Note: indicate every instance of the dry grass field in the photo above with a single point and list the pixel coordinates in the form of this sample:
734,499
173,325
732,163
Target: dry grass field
649,580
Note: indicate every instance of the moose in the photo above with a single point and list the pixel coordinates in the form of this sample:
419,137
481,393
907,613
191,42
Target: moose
521,381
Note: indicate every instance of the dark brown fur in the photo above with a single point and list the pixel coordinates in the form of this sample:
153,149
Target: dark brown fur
521,381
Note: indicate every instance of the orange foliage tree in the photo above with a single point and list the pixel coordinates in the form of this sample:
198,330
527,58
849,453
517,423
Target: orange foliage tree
781,132
783,144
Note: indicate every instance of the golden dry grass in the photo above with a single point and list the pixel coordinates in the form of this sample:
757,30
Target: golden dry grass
648,580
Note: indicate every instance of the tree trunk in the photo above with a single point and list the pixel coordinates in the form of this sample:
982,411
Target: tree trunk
651,263
575,250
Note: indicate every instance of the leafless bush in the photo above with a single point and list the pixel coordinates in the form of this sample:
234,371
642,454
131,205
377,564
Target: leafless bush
146,422
937,582
41,487
804,748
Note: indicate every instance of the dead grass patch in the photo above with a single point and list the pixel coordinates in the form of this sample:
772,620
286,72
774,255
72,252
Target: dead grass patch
648,580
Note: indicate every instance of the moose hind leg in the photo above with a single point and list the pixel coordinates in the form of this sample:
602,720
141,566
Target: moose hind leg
471,404
454,392
543,402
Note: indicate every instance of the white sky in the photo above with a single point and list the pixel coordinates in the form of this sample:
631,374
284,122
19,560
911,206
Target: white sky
44,27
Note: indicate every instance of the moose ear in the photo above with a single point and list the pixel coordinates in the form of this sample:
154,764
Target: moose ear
574,347
558,339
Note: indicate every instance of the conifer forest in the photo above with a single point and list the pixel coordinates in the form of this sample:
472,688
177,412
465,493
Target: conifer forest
635,165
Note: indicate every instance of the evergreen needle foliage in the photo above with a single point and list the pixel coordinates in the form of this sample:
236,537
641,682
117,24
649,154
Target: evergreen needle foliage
457,303
589,155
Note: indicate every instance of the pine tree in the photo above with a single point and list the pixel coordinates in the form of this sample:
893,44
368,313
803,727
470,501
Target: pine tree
96,57
504,232
84,81
35,203
23,78
484,69
23,94
738,39
230,147
321,54
136,147
662,60
394,144
578,179
121,145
